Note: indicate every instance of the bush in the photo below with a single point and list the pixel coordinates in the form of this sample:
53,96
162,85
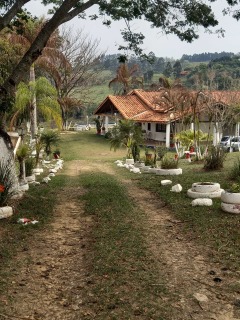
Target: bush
161,151
169,163
108,135
215,158
29,166
235,170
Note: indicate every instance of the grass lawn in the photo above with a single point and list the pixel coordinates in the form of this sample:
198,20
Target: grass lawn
119,260
209,225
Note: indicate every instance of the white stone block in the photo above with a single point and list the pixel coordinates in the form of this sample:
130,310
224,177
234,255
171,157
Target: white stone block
176,188
166,182
202,202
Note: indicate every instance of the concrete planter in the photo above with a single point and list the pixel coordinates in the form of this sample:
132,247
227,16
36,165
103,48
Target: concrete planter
230,202
205,186
230,207
129,161
168,172
205,190
230,197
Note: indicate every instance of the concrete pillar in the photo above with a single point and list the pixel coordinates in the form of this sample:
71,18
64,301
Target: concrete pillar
237,129
216,135
168,135
106,123
192,126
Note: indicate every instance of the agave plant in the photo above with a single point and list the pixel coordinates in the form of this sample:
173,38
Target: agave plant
7,181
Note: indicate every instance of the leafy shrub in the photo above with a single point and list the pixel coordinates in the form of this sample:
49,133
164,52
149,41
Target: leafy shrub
235,170
29,166
149,162
215,158
161,151
108,135
169,163
235,188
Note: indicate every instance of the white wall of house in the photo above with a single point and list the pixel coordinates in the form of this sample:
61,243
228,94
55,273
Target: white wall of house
152,134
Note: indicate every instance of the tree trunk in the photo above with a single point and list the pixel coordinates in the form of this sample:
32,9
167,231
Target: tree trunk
33,110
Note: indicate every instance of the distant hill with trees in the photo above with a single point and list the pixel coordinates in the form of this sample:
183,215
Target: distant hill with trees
206,56
220,71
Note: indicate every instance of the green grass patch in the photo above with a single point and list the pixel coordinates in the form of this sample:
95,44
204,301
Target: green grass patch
210,226
122,272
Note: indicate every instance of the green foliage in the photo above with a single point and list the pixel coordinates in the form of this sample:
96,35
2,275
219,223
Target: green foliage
235,170
22,152
49,138
46,99
187,137
215,158
161,151
169,163
6,181
128,134
29,165
235,188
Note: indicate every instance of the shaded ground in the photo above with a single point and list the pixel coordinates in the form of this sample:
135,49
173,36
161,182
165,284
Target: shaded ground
49,282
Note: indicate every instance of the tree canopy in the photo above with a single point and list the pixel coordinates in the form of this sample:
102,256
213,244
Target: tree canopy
179,17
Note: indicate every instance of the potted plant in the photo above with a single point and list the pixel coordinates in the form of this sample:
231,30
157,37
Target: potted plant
169,166
56,154
148,154
231,199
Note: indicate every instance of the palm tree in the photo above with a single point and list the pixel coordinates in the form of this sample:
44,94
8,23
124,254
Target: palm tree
125,76
49,138
25,38
127,134
43,94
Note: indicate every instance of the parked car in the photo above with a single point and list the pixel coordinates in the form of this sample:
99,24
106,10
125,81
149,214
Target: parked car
235,143
226,142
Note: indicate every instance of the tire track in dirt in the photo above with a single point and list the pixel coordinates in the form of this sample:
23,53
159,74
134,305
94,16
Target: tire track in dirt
49,283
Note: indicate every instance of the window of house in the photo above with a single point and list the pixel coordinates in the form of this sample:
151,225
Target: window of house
149,126
160,127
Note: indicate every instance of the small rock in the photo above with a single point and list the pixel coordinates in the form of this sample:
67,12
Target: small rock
166,182
202,202
200,297
176,188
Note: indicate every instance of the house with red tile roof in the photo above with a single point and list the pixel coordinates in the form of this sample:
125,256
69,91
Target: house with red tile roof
160,115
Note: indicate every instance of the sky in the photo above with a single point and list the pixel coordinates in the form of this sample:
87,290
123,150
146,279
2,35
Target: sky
162,46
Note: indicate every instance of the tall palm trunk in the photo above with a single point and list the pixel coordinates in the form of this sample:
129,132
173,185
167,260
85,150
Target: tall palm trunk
33,107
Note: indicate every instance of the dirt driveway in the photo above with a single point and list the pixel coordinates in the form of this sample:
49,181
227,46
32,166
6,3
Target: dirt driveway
49,282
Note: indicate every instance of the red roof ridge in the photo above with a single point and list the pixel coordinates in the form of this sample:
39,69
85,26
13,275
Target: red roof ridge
137,92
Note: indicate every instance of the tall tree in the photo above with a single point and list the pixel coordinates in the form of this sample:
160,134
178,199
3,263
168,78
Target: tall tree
168,70
177,68
74,74
180,17
188,14
125,77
